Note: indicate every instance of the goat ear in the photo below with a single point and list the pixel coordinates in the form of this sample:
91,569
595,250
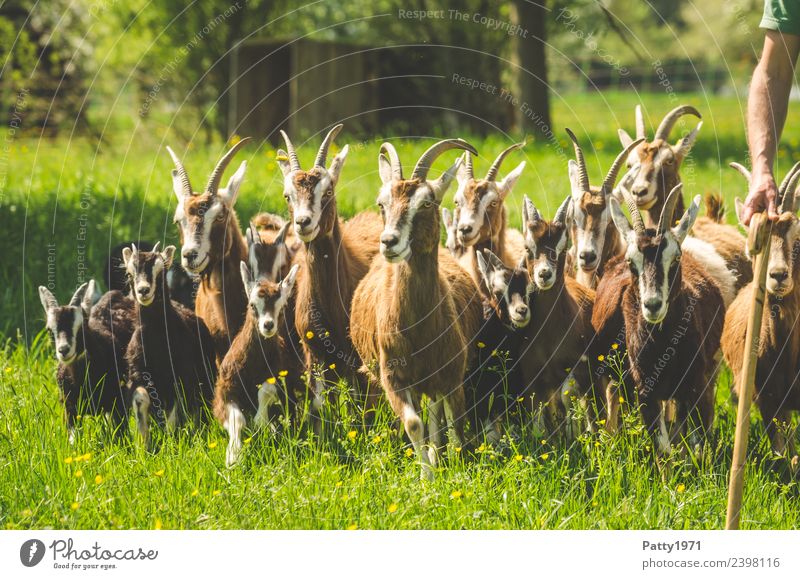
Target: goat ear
510,180
682,147
77,297
251,234
624,138
739,211
230,192
462,175
280,239
90,297
337,164
47,298
283,161
167,255
483,268
574,181
384,168
247,279
447,218
287,284
439,186
494,261
681,230
620,221
127,255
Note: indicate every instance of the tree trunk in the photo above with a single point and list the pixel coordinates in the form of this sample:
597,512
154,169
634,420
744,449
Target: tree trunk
530,68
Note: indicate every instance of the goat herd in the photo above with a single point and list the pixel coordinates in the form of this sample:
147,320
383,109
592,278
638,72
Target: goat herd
293,306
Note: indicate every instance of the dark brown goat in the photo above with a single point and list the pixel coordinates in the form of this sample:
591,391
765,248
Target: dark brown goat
171,353
673,315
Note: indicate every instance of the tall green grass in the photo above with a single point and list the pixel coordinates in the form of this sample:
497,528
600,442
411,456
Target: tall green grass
66,202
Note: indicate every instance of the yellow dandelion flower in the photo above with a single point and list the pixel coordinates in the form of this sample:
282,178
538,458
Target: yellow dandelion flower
98,480
309,335
352,527
376,440
455,495
212,444
681,487
409,452
518,458
338,484
26,512
392,508
352,435
566,392
622,400
545,456
521,399
9,369
594,503
68,460
271,380
283,373
544,441
216,492
248,440
195,492
600,358
457,449
159,472
78,473
597,443
157,525
234,139
494,352
86,456
481,345
332,366
614,346
601,422
75,506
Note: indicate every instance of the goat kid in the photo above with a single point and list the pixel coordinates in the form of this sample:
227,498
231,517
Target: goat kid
171,353
417,311
253,376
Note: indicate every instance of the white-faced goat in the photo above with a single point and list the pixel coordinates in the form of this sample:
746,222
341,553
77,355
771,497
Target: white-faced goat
213,246
594,239
337,255
255,374
480,215
270,252
171,353
655,173
673,315
777,388
91,365
417,312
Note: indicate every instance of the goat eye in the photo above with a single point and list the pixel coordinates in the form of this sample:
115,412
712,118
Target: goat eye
329,192
494,204
427,204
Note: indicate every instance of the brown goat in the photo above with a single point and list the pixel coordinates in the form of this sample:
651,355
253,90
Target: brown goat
337,255
673,315
213,247
480,215
258,365
417,311
658,165
777,388
553,351
594,240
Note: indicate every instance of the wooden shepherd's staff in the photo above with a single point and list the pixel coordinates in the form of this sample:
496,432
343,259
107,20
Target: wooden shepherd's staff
758,246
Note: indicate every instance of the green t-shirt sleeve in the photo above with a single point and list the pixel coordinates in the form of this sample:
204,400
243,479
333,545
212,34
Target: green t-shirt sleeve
782,16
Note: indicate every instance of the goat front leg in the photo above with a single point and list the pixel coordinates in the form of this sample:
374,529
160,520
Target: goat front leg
403,406
773,418
455,410
653,419
435,408
234,424
141,409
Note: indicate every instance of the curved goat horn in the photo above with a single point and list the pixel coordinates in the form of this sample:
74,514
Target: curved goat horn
663,130
294,164
491,175
668,211
640,134
613,172
322,154
184,176
468,165
216,174
428,157
788,185
633,209
155,247
397,169
583,176
742,169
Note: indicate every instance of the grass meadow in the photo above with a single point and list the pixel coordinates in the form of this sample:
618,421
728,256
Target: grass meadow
67,200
